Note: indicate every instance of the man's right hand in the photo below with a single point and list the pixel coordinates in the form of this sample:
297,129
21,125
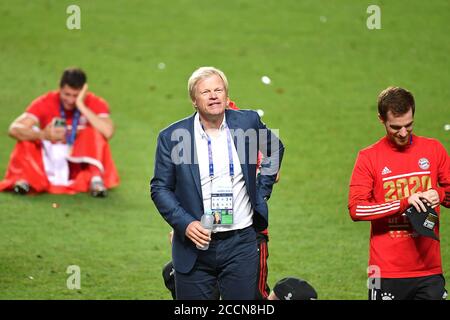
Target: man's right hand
199,235
416,201
54,133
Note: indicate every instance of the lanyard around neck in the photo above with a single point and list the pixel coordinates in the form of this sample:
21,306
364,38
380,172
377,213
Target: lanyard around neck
70,135
230,155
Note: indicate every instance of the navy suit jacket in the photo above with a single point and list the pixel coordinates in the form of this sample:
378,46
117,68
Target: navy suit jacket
175,186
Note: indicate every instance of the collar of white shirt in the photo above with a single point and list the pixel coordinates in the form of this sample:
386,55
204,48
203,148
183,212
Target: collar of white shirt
199,127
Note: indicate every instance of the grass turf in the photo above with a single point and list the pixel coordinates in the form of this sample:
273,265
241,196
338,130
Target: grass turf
326,69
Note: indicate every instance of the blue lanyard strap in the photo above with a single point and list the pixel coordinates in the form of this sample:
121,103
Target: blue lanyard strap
210,157
70,135
230,155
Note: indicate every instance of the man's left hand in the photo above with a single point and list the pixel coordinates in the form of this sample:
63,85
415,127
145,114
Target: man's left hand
431,197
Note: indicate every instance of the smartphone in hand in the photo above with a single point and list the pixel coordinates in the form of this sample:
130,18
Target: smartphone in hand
59,122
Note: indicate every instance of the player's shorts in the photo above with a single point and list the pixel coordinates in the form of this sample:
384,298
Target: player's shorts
420,288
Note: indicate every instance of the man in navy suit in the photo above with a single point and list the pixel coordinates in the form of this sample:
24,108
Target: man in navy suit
207,162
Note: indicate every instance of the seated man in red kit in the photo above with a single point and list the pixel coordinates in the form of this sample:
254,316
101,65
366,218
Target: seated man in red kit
62,142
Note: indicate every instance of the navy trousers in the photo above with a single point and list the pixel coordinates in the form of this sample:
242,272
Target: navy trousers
230,262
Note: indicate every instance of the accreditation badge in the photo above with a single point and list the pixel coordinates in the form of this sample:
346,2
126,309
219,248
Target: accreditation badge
222,203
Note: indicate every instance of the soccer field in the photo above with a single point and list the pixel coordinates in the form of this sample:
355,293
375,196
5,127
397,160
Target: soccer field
326,69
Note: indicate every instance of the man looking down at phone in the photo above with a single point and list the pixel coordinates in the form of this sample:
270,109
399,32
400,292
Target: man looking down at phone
62,142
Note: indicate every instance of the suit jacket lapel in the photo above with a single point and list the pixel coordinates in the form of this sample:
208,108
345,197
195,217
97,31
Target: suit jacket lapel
233,124
194,166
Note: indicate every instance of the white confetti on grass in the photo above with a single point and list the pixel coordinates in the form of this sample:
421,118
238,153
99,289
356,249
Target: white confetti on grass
266,80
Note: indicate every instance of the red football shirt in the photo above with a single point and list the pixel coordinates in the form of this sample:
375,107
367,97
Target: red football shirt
382,180
46,107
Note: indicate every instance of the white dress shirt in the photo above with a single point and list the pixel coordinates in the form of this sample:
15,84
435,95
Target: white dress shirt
242,209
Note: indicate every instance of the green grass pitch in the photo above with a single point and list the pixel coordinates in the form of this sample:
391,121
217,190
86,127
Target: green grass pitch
327,69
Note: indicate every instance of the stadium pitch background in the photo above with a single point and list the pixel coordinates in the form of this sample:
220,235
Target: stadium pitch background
326,69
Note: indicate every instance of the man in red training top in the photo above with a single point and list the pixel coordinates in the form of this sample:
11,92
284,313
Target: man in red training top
62,142
399,171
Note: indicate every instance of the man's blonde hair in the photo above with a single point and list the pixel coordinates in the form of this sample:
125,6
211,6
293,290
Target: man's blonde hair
202,73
